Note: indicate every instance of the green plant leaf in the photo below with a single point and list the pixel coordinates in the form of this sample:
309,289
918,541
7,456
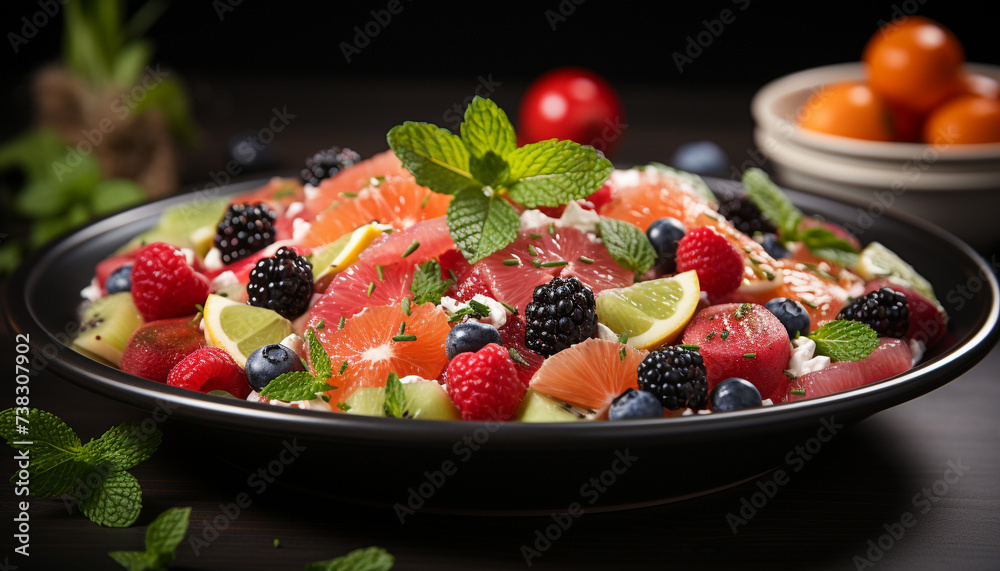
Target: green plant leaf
130,61
44,230
167,531
773,203
135,560
480,224
395,398
115,195
82,50
696,182
490,169
366,559
144,18
124,446
106,23
116,502
553,172
627,244
169,96
297,385
318,356
428,286
825,244
843,340
486,128
437,158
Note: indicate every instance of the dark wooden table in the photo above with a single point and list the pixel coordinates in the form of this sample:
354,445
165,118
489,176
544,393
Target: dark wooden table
888,475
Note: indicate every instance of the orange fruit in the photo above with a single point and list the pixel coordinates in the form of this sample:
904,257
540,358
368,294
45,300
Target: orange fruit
849,109
395,200
915,63
351,291
966,120
366,343
589,374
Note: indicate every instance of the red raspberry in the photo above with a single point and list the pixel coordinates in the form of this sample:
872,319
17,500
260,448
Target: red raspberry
718,263
484,385
164,285
210,369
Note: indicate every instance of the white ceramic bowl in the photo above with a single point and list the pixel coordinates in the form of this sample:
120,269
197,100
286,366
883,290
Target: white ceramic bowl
954,186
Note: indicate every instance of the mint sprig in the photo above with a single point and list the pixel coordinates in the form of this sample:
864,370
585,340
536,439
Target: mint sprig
627,244
428,285
163,536
843,340
365,559
303,385
697,184
394,397
780,211
483,167
95,473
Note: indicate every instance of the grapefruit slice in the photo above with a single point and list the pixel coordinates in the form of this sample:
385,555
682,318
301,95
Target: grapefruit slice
432,237
366,343
589,374
892,357
348,293
354,178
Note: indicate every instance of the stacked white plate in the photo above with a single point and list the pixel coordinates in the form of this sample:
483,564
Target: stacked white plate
954,186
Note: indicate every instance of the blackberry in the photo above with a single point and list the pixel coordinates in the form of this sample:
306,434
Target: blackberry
883,310
676,376
562,313
246,228
283,282
744,214
327,163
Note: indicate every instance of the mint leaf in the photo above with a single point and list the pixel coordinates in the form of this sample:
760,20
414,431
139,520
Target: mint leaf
366,559
57,458
163,536
395,398
296,385
473,309
773,203
318,357
554,172
627,244
696,183
843,340
490,169
437,158
486,128
428,286
124,446
825,244
116,502
480,224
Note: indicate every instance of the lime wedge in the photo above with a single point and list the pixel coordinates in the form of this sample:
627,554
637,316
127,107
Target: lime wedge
189,225
651,313
877,261
337,256
241,329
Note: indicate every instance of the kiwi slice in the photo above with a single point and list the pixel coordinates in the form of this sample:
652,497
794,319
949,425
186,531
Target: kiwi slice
190,225
536,407
106,326
424,399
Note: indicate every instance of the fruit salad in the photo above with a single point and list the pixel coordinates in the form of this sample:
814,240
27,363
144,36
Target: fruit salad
463,277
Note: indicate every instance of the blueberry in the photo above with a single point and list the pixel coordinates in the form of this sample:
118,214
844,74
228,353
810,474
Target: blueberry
773,247
734,394
791,314
635,404
120,280
266,363
664,234
701,157
470,337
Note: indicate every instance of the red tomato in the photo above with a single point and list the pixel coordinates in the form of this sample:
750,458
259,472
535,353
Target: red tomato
575,104
914,63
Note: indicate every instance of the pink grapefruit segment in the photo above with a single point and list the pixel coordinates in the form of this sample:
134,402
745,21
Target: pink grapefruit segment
892,357
589,374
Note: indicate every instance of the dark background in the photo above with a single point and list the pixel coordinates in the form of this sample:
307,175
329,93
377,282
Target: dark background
239,61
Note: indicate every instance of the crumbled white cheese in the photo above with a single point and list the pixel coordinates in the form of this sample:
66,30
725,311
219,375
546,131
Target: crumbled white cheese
189,256
294,208
312,404
225,279
626,178
535,219
575,216
300,228
92,292
804,359
604,332
213,260
767,402
498,313
296,343
311,192
918,348
412,379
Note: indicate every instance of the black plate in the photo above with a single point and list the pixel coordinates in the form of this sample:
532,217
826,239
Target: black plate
473,467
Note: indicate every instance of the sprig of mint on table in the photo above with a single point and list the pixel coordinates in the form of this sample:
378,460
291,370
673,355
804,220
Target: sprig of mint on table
365,559
303,385
163,535
780,211
483,166
96,473
844,340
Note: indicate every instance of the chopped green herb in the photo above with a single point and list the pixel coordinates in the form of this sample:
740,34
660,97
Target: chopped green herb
552,229
725,334
621,354
623,338
534,236
343,406
789,375
742,311
321,325
750,355
509,307
688,346
371,288
411,248
511,262
554,264
277,543
405,303
349,194
343,367
516,357
401,338
381,273
586,260
536,262
423,203
343,322
808,303
799,392
532,250
710,335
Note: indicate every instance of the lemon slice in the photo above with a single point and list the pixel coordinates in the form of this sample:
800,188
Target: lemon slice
338,255
241,329
650,313
877,261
